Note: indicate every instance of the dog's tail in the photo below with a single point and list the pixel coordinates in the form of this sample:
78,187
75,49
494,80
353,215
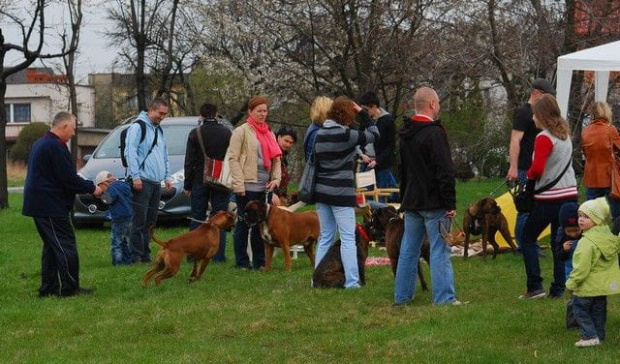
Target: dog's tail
152,233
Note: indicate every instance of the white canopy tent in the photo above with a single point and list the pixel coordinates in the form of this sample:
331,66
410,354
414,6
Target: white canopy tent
601,60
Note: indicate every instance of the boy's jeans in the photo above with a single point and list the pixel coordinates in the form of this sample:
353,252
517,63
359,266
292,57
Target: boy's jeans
121,251
591,314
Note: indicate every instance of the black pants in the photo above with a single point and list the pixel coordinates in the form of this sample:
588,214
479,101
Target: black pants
59,262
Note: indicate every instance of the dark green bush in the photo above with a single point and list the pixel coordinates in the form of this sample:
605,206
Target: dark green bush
26,138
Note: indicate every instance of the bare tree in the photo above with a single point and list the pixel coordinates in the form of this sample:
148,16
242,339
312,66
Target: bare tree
71,41
33,36
136,24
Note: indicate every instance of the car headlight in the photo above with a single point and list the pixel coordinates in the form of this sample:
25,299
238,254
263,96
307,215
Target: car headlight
178,177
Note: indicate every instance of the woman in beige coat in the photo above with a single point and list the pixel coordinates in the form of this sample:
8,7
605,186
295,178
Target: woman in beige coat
254,157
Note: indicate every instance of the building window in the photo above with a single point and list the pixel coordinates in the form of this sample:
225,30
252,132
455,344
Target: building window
18,113
21,113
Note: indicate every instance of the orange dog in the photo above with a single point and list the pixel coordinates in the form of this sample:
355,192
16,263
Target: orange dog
282,228
200,244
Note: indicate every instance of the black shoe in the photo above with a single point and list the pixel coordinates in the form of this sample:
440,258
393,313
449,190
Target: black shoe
78,292
48,294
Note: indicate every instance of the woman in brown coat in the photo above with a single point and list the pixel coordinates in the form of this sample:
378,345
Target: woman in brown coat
596,140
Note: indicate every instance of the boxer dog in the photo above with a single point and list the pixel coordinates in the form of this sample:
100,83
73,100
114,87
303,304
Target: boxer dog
485,218
330,271
282,228
200,244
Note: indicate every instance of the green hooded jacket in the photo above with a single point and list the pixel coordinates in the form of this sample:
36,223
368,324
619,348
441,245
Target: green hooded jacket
595,264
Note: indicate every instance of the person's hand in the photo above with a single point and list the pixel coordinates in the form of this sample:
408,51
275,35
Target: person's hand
356,107
451,213
275,200
168,185
240,194
372,163
366,159
137,184
271,186
187,193
98,192
567,245
513,174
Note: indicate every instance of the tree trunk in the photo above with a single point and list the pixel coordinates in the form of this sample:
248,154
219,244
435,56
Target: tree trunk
4,192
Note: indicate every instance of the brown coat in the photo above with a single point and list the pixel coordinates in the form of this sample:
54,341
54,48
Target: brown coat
243,159
596,139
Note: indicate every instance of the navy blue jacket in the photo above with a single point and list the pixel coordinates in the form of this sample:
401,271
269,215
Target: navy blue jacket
120,199
52,181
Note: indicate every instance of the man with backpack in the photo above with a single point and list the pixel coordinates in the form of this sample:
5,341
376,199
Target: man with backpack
146,154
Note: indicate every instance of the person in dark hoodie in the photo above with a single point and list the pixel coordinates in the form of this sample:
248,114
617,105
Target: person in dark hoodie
215,140
428,195
382,150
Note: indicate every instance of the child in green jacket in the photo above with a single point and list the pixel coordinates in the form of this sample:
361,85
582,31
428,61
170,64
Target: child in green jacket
595,272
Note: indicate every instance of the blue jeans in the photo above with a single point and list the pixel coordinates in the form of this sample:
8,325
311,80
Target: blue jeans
341,219
417,224
542,214
241,233
592,193
145,206
199,200
591,314
521,216
121,252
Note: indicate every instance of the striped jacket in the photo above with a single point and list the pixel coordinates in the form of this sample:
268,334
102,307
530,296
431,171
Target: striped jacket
335,156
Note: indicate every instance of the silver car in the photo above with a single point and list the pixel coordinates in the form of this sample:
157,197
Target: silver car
88,210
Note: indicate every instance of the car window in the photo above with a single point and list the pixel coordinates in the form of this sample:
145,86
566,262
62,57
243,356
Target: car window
176,139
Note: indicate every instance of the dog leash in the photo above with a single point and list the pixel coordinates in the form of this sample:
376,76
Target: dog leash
497,188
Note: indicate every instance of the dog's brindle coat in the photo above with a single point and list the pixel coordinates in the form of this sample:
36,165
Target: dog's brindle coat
200,244
388,221
485,218
329,273
282,228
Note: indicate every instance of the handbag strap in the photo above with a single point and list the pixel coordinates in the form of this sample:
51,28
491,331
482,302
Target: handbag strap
552,183
201,142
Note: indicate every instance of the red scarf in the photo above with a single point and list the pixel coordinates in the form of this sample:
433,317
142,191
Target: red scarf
267,141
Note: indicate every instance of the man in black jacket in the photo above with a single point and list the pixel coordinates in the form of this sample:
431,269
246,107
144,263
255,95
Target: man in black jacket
215,138
51,185
428,195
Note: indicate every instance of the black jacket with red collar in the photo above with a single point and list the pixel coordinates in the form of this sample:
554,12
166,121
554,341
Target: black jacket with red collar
427,176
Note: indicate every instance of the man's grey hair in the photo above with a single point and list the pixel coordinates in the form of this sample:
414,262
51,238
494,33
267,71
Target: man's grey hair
157,103
62,117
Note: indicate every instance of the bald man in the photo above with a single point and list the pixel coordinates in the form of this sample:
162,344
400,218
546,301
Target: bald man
428,197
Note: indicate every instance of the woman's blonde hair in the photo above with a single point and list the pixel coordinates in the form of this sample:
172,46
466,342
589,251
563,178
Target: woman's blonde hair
549,117
318,110
601,110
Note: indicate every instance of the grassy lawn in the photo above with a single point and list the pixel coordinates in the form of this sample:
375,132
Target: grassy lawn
233,316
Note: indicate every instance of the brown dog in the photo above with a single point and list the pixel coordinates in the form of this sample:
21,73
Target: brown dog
329,273
388,220
282,228
485,218
200,244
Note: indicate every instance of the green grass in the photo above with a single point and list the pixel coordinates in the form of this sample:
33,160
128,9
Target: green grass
233,316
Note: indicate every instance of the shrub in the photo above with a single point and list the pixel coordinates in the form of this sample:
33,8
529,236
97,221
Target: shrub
26,138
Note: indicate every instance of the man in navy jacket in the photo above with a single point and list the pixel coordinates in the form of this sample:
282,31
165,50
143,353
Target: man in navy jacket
51,185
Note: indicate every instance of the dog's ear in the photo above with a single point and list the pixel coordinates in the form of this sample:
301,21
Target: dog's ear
473,209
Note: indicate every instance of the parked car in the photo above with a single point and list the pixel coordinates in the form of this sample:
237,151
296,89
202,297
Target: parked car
173,204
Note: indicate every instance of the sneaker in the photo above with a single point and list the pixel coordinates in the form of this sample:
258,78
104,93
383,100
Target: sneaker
532,295
584,343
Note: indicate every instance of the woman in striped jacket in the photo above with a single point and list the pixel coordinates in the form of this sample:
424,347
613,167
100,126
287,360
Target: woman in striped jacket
335,195
553,153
